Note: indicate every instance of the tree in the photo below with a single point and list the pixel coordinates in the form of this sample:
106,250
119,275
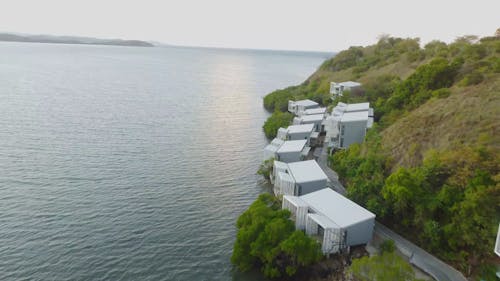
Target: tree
300,250
277,120
267,239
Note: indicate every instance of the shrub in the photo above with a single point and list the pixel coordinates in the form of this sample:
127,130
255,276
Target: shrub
277,120
385,267
266,168
388,246
267,239
472,78
441,93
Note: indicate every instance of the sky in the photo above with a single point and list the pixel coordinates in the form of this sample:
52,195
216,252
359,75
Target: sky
313,25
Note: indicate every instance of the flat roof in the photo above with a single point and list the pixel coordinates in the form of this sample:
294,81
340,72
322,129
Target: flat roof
357,106
336,207
277,142
323,221
280,165
306,171
312,118
295,200
350,83
274,145
292,146
354,116
319,110
304,128
306,102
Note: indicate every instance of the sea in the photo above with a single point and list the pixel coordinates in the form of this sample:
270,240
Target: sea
132,163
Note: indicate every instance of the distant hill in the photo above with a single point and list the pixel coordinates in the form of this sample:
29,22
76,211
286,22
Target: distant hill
9,37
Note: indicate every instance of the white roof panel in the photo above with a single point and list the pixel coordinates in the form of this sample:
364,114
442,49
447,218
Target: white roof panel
355,116
306,171
277,142
306,102
295,200
357,106
280,165
350,84
304,128
311,111
336,207
292,146
312,118
323,221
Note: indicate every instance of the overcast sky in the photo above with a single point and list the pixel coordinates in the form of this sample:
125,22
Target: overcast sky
323,25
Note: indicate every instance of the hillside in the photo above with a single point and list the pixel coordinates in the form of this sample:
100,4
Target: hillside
8,37
466,116
430,168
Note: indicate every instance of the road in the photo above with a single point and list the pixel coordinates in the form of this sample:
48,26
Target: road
428,263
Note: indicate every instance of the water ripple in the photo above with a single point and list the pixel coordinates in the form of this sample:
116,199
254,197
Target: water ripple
130,163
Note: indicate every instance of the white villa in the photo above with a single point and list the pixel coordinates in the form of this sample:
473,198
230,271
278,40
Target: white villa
337,89
272,147
313,111
348,124
296,107
331,218
296,132
297,178
316,119
287,151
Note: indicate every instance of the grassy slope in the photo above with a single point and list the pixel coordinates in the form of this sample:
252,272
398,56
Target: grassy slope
466,116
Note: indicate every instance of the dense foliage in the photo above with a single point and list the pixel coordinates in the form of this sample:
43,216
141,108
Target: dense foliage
267,239
449,204
277,120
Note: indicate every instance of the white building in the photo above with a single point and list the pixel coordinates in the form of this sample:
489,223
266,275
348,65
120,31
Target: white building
292,151
316,119
297,178
337,89
296,132
331,218
497,244
348,124
272,147
313,111
298,106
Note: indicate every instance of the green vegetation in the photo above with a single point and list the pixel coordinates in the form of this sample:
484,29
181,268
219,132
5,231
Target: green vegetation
267,239
388,246
277,120
266,168
385,267
431,167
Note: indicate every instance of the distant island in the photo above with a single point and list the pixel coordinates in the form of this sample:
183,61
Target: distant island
10,37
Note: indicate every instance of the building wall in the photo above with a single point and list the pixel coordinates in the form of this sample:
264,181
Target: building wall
299,136
308,187
360,233
317,124
290,157
352,132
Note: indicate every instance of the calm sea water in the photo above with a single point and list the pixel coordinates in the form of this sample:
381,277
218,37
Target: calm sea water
122,163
